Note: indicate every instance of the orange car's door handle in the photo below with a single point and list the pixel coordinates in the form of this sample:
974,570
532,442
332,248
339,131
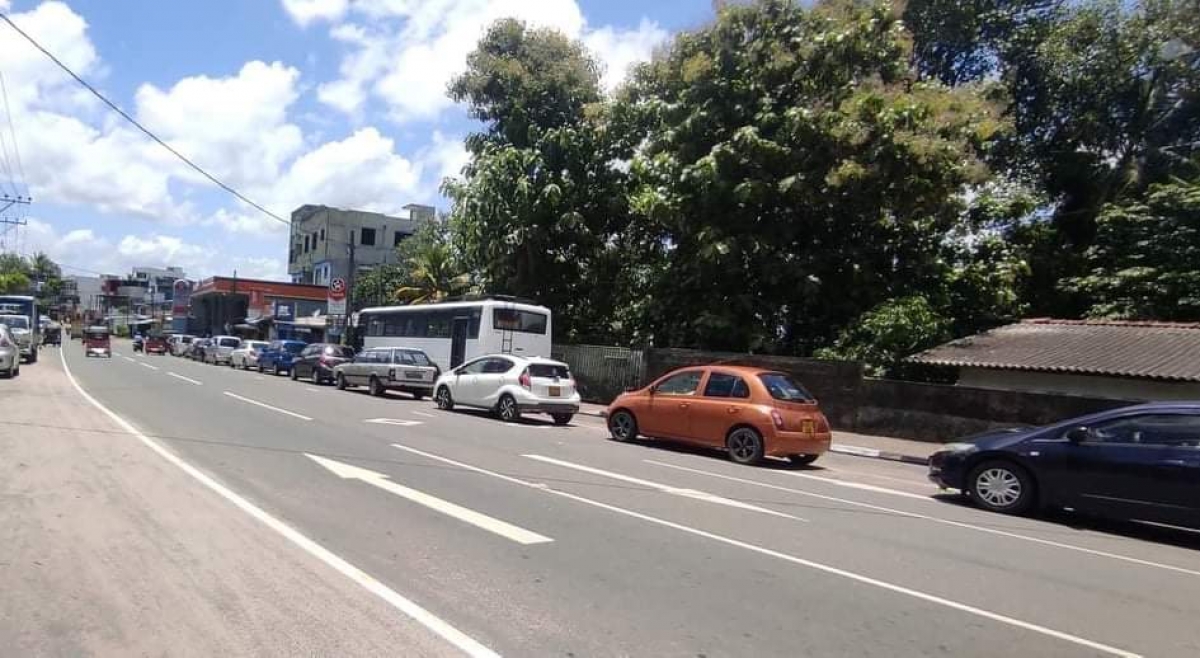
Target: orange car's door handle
683,405
733,410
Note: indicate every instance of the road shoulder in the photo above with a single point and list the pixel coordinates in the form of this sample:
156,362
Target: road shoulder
111,550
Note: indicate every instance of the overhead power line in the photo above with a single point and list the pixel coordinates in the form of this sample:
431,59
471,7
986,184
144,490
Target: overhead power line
12,132
139,126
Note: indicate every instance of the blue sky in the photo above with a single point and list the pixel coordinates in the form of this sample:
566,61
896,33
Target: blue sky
290,101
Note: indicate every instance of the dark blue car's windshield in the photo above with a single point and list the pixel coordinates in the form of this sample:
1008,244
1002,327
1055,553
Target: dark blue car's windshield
294,348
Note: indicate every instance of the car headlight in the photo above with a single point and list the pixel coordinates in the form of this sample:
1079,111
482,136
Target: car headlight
959,447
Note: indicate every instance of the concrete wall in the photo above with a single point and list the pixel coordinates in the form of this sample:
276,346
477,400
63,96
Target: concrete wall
942,413
1126,388
834,383
927,412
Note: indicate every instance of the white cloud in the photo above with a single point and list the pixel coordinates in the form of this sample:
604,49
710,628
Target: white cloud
307,11
82,251
362,171
621,49
415,47
235,127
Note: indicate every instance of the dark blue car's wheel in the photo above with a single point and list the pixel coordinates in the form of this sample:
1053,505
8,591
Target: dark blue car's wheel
1001,486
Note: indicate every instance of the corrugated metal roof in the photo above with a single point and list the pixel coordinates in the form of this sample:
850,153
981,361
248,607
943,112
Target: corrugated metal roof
1156,350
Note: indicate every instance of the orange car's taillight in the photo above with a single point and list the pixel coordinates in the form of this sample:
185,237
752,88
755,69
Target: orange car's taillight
777,418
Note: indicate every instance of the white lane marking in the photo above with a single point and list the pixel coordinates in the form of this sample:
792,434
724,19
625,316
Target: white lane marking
393,421
864,487
147,365
129,359
925,517
186,379
266,406
465,643
477,519
312,390
866,580
116,354
422,413
259,378
666,488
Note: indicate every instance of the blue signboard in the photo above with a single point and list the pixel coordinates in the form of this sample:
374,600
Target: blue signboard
284,311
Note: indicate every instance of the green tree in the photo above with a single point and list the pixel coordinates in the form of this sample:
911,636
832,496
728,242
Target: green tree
541,207
14,282
1105,106
1145,263
962,41
795,175
884,336
430,268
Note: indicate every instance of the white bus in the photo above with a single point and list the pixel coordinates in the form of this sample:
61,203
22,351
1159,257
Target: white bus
454,332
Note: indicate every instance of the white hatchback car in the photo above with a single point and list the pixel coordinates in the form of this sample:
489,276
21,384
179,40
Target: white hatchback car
246,356
511,385
10,354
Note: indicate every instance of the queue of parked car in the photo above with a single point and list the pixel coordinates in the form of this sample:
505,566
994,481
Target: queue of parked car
507,384
1140,462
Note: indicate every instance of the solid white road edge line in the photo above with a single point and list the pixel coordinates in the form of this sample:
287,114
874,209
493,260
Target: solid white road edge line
477,519
264,405
186,379
147,365
665,488
866,580
957,524
460,640
422,413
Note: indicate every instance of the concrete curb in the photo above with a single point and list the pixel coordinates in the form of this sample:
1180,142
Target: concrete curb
873,453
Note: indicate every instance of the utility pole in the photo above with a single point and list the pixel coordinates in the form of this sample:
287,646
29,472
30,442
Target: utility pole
351,276
9,223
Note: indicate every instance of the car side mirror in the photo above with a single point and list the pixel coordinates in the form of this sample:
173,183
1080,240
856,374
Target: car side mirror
1078,434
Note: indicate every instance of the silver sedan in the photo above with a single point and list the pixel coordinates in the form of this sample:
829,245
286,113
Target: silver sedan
10,354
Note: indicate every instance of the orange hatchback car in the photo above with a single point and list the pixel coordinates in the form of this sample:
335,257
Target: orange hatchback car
751,412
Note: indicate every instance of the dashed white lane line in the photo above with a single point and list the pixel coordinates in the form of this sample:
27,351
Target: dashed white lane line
393,421
147,365
422,413
665,488
934,519
186,379
479,520
264,405
862,486
310,389
463,642
129,359
259,378
835,571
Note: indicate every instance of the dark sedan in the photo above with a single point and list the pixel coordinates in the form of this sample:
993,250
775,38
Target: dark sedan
1140,463
318,360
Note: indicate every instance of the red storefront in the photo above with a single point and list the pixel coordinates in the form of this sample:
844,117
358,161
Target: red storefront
218,304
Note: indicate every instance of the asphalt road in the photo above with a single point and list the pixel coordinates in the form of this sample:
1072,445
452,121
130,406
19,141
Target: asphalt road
535,540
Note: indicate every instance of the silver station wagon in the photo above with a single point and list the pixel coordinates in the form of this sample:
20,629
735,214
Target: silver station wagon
383,369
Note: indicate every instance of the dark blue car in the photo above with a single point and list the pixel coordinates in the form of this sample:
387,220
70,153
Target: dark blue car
278,356
1140,463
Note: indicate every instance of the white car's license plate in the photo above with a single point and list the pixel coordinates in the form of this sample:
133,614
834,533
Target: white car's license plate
555,391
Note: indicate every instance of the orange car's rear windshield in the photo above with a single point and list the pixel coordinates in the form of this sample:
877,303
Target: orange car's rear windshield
782,387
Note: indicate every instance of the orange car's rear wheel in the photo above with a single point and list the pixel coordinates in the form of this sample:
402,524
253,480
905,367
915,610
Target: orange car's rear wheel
745,445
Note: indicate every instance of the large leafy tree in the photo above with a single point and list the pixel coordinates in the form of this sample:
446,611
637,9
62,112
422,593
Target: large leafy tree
540,206
962,41
430,265
795,174
1105,106
1145,262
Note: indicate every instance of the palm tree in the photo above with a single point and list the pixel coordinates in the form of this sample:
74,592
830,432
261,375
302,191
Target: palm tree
433,274
43,268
